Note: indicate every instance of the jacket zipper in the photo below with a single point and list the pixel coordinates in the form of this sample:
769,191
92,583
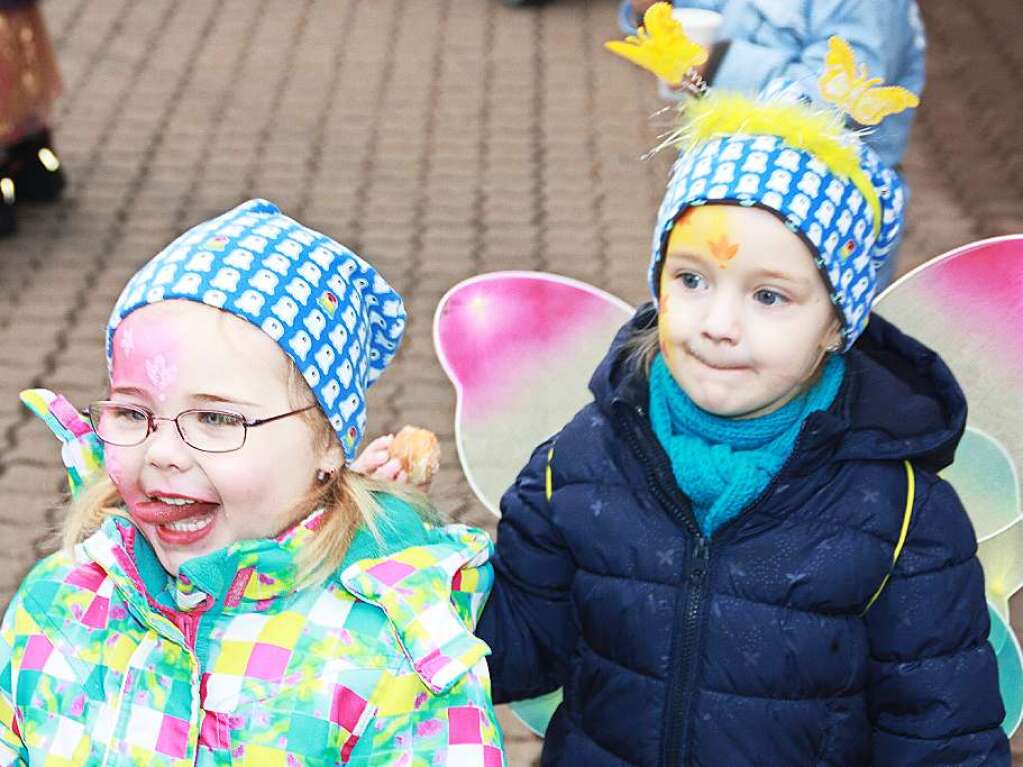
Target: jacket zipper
188,623
675,750
675,747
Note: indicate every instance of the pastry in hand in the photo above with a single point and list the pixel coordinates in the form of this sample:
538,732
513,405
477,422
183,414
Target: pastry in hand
419,453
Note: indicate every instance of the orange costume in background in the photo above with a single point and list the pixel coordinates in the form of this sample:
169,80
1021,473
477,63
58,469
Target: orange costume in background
29,84
29,78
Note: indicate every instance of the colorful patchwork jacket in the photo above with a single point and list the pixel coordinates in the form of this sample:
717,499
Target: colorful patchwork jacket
105,660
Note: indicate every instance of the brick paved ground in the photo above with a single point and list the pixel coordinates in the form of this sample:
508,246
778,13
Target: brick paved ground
439,138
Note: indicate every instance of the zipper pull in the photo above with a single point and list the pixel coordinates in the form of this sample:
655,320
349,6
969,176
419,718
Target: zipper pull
698,559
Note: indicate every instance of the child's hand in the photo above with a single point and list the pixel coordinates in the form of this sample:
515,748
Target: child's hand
392,459
375,461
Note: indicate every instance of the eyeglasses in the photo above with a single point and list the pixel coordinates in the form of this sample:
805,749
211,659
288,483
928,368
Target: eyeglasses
211,431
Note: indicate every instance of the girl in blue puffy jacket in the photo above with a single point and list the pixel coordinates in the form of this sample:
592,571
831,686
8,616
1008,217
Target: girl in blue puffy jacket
740,553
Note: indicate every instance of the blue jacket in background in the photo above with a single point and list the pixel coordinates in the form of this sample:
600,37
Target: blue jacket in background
789,38
752,648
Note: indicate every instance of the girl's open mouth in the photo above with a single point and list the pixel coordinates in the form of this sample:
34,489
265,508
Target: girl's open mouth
179,520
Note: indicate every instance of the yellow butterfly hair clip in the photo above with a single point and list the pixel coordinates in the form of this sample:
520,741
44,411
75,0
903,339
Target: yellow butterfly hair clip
662,47
848,87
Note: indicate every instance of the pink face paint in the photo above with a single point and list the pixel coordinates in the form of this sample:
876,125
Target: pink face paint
161,374
130,493
127,341
155,368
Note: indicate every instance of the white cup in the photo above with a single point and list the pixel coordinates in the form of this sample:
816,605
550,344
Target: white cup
701,27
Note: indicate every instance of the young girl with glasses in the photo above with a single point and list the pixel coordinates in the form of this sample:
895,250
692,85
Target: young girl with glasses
230,591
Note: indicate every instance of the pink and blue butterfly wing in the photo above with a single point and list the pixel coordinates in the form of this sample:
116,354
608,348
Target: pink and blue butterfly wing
968,306
519,348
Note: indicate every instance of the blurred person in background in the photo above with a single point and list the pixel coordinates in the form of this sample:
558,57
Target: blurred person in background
29,84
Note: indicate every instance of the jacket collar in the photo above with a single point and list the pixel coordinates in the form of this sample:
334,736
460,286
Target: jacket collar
431,582
241,575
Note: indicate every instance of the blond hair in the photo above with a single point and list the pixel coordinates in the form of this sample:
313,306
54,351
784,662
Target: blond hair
641,348
349,500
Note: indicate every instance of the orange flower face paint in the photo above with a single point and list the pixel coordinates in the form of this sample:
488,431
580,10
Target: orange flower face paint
723,251
704,231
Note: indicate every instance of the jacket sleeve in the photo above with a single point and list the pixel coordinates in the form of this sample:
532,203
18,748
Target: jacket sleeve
528,619
432,707
933,681
886,36
434,711
801,42
12,749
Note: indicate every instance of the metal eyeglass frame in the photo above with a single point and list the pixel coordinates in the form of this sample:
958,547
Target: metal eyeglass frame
152,418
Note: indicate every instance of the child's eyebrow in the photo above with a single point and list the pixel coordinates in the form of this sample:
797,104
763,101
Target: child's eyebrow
131,391
773,275
218,399
682,254
685,256
214,399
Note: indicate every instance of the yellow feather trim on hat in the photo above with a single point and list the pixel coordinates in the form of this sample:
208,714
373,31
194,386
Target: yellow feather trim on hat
819,132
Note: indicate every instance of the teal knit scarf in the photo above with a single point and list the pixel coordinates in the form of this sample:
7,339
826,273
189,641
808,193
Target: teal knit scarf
720,463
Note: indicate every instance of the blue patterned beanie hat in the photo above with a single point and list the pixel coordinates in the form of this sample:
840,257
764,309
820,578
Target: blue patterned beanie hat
327,309
796,160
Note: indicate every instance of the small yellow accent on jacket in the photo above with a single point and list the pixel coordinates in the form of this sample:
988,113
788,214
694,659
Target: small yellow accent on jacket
550,479
907,515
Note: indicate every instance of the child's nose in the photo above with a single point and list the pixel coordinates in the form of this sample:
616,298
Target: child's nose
165,448
722,322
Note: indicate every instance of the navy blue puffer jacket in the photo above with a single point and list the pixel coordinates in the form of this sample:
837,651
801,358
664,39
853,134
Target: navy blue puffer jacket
753,647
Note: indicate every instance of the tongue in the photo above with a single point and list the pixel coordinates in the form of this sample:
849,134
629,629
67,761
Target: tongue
160,513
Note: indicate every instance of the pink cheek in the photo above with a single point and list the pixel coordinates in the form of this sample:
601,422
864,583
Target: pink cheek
235,483
115,468
121,477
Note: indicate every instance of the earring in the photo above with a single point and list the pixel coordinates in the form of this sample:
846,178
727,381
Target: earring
323,477
833,349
